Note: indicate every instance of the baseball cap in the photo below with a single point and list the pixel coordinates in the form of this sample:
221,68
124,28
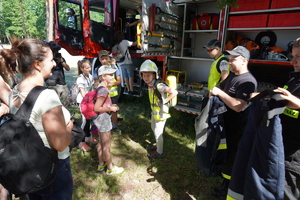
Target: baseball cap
213,43
103,53
239,51
106,69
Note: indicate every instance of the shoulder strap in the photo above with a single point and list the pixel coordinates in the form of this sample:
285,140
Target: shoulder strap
26,107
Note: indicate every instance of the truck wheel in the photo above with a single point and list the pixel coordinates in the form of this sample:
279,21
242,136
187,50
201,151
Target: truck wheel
261,86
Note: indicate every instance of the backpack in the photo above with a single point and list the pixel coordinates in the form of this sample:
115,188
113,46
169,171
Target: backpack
118,54
73,93
26,164
88,103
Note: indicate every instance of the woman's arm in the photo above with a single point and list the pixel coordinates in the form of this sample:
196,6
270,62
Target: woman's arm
59,134
4,95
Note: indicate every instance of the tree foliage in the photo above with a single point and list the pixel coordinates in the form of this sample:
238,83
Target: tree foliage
34,18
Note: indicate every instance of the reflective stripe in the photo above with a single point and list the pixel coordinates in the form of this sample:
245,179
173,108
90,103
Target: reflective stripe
291,113
226,176
231,195
222,146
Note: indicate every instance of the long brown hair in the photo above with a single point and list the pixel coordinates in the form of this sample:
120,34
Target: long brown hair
8,64
80,64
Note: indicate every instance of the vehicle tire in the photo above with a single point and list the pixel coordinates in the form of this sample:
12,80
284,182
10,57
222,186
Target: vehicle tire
261,86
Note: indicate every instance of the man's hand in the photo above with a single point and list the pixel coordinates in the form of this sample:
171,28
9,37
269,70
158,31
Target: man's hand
215,91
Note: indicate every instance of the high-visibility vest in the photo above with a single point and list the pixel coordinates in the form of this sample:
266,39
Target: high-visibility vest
159,111
113,90
214,75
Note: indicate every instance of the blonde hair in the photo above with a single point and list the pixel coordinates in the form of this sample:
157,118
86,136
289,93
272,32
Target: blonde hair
80,65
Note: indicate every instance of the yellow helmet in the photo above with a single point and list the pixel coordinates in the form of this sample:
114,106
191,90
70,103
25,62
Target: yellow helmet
149,66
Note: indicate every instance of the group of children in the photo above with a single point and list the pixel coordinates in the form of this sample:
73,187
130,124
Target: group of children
106,105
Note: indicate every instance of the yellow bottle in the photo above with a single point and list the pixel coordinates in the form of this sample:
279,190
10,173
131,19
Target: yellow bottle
171,81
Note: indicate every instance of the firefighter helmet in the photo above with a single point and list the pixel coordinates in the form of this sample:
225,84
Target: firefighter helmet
149,66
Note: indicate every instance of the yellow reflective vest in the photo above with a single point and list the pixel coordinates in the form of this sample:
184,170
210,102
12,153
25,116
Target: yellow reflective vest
113,90
159,111
214,75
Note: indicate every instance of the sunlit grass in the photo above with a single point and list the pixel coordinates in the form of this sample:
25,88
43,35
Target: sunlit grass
173,177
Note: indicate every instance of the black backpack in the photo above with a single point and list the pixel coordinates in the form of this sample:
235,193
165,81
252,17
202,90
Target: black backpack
26,164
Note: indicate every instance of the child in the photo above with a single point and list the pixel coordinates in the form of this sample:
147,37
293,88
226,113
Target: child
105,59
160,111
104,106
85,83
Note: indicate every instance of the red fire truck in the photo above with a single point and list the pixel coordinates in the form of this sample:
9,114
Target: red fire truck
174,32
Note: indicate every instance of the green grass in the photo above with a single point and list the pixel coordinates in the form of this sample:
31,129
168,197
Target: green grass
173,177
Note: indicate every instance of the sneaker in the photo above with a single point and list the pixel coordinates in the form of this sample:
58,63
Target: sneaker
101,167
155,155
83,146
91,140
114,170
116,129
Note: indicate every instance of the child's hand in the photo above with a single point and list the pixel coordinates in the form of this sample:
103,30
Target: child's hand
163,101
114,108
112,61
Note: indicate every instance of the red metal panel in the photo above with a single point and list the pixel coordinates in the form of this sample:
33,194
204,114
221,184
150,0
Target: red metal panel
245,5
284,4
248,21
284,20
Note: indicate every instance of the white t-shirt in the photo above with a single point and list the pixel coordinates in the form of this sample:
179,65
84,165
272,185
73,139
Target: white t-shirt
83,82
124,47
47,100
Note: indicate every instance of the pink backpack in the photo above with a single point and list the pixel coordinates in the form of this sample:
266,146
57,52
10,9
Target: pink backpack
87,104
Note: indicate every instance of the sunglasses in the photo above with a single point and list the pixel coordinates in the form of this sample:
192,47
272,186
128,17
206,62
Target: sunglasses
210,50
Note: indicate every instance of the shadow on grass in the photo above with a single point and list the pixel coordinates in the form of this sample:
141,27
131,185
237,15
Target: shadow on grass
176,172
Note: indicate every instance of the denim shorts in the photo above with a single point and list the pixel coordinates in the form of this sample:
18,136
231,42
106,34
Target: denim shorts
127,70
61,188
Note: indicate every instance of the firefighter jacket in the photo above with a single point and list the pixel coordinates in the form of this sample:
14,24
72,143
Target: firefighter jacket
211,138
291,125
160,111
258,170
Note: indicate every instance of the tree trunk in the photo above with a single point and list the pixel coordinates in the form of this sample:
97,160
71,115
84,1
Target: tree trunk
49,19
23,20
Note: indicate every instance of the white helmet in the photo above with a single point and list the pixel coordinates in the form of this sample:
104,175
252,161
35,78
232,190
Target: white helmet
149,66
